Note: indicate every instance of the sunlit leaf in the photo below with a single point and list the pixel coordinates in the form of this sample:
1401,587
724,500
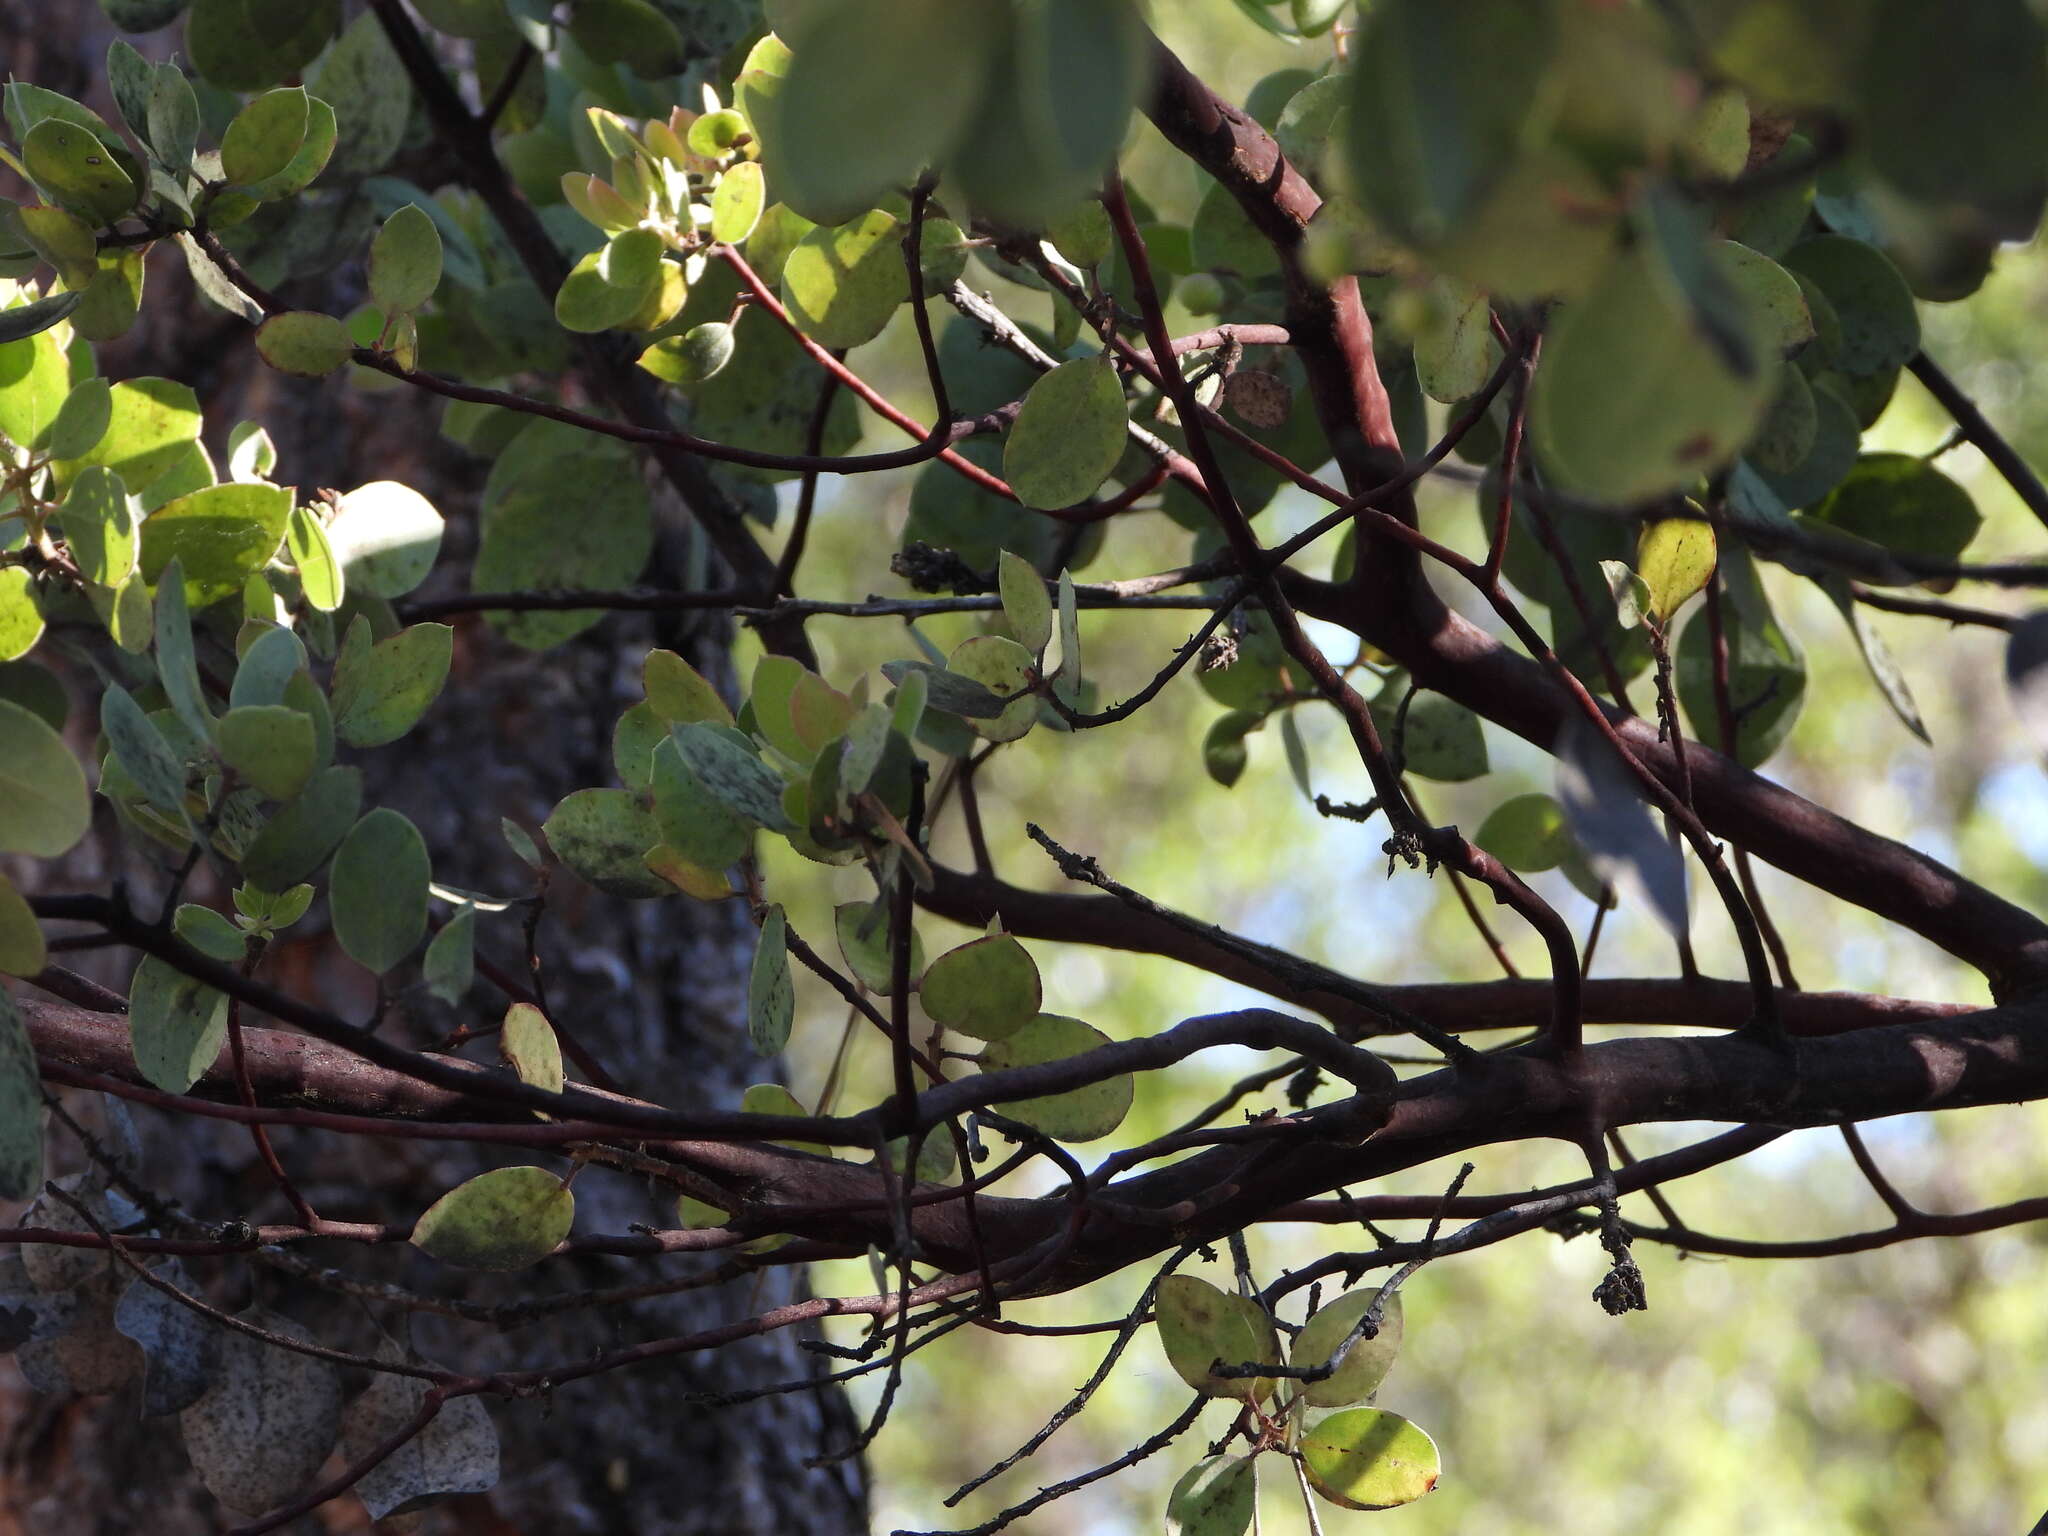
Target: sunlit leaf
530,1047
1366,1458
506,1219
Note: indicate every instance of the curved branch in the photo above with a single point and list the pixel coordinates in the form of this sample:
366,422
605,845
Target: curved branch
1454,1007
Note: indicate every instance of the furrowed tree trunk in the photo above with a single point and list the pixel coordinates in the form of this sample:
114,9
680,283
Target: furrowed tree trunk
655,991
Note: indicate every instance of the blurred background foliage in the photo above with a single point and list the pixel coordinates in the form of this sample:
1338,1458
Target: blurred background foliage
1897,1391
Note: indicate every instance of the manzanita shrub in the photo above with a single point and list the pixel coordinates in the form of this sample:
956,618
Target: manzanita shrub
1662,267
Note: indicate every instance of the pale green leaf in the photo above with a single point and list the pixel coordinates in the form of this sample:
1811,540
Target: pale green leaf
320,573
988,988
44,807
270,745
530,1047
382,690
1362,1369
177,1024
1200,1325
405,261
1069,435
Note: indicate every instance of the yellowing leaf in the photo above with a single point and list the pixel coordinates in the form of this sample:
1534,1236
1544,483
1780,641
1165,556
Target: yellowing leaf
1675,558
505,1219
1365,1458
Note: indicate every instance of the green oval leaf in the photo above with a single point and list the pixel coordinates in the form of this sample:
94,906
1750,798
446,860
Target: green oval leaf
843,283
450,963
1200,1325
1026,605
696,355
378,890
1955,107
264,136
219,536
1003,668
305,343
22,953
381,690
320,575
237,52
505,1219
988,988
1526,833
863,931
530,1045
1068,436
270,745
44,807
1880,328
21,616
732,773
152,424
1903,502
565,522
1082,1114
697,826
25,320
680,693
177,1025
878,89
1634,399
210,933
737,202
1366,1458
82,420
1214,1497
386,536
604,836
35,381
298,838
405,261
1675,557
71,164
1367,1364
143,752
